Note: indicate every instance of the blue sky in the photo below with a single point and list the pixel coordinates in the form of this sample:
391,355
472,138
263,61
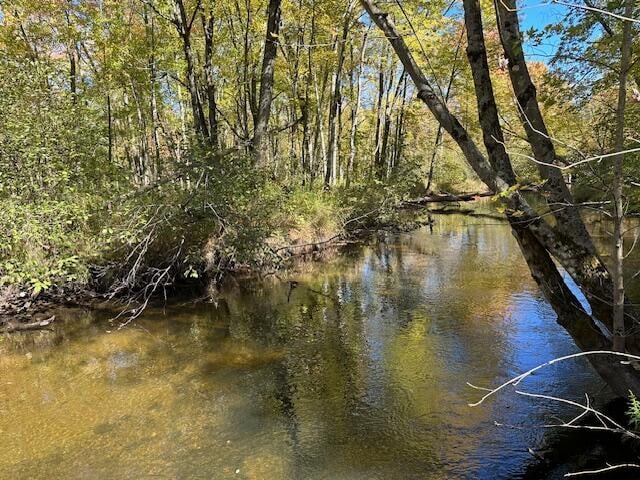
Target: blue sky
538,14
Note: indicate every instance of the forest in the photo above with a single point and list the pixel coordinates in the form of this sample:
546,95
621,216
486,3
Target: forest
150,148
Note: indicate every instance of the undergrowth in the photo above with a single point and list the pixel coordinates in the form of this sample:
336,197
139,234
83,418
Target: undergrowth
221,215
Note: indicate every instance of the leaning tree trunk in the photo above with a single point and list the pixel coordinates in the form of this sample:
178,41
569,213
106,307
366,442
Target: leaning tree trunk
487,109
578,323
538,239
576,252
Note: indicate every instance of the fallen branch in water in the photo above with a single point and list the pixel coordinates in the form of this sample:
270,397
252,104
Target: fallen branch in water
335,238
447,198
23,327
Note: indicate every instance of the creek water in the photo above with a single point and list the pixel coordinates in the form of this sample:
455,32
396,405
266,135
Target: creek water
351,368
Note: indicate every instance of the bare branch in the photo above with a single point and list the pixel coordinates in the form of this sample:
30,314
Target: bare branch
616,427
157,11
597,10
602,470
516,380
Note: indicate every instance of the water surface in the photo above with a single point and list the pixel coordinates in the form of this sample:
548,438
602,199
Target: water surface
356,371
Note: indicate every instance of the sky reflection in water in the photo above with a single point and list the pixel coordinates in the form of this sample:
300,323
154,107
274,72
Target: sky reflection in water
360,374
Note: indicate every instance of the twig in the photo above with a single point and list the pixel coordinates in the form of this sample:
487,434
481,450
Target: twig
602,470
516,380
616,426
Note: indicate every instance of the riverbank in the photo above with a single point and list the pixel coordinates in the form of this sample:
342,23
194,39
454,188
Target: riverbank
24,308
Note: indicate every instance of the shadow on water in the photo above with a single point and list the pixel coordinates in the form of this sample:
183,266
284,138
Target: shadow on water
350,369
574,451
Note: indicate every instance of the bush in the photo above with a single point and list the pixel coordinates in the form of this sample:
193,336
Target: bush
44,243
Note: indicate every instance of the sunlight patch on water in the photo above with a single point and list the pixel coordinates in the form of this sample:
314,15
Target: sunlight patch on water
359,372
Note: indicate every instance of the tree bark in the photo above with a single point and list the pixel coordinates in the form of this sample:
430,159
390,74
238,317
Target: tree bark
109,130
72,53
438,141
390,105
576,251
569,221
155,121
485,97
378,140
25,327
398,142
538,239
266,81
571,316
184,24
208,23
336,99
355,110
429,96
618,206
447,198
319,145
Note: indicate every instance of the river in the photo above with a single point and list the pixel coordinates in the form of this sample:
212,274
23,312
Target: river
351,368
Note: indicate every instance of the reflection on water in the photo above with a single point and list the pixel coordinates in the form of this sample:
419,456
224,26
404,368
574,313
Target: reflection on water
358,371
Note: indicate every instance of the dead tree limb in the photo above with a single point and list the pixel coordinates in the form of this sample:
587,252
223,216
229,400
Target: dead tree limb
24,327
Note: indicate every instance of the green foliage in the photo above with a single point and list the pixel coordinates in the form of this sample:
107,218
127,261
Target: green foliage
43,243
310,209
453,176
101,163
633,411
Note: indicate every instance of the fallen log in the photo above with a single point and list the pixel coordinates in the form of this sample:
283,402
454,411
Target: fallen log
447,198
23,327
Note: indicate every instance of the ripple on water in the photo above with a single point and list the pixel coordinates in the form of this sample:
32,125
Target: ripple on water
358,373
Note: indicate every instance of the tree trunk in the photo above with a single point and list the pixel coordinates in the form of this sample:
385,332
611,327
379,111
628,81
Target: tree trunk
73,73
307,141
620,377
207,27
537,238
569,221
109,129
143,149
618,207
355,110
447,94
389,107
378,143
336,99
74,66
438,108
398,142
575,251
318,136
487,108
184,26
155,122
266,80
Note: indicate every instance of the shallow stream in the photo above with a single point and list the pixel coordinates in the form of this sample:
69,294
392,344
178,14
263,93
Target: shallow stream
353,368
